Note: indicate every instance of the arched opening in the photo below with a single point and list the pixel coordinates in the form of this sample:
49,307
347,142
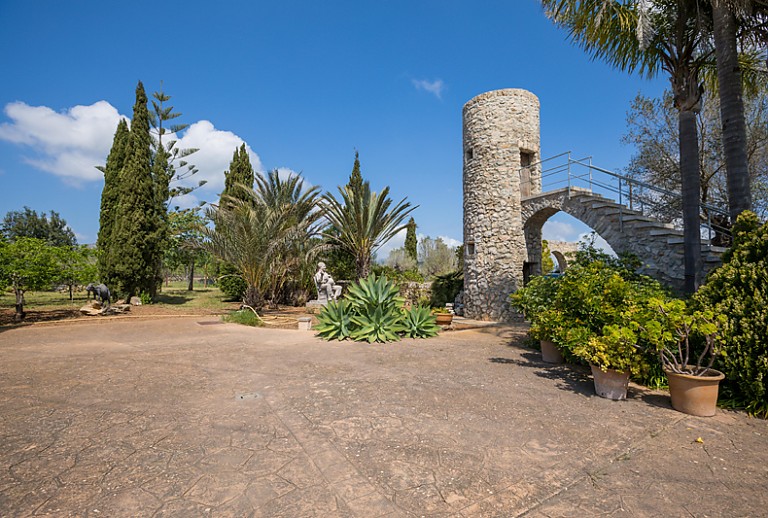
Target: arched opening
563,234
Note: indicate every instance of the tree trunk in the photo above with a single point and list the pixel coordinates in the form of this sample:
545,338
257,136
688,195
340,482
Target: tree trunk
691,192
253,298
191,285
731,110
363,267
20,314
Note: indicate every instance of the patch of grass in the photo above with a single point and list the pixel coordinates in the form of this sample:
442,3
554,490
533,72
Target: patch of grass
244,317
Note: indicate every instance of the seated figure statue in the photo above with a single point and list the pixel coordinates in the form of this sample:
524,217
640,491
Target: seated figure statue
327,289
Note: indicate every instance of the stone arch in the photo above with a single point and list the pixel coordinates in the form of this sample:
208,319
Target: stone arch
562,262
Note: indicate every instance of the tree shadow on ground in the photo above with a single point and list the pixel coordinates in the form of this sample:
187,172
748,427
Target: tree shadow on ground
574,378
174,300
34,316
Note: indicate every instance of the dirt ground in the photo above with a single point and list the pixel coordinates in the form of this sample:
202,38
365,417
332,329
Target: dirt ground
283,317
191,417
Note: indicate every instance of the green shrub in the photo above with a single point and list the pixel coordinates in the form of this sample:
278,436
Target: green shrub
738,289
445,288
244,317
231,283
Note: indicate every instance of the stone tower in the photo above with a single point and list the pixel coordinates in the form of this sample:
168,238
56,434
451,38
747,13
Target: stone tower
501,153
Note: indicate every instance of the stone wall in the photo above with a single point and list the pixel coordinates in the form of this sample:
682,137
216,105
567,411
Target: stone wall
500,129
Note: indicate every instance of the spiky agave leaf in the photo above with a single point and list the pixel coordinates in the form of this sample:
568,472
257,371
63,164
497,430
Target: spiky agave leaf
380,325
334,321
419,322
373,292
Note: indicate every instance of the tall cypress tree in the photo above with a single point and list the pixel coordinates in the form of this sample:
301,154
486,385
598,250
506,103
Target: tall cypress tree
240,176
136,235
109,199
410,240
356,178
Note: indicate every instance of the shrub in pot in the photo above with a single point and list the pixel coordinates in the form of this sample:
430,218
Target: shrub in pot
687,344
535,301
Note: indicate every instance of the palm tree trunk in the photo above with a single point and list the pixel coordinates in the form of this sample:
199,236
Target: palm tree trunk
731,110
691,191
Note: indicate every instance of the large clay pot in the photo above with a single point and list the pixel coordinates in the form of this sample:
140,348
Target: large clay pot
695,395
610,384
444,319
550,353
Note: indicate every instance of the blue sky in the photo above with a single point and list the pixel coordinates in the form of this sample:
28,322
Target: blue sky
303,83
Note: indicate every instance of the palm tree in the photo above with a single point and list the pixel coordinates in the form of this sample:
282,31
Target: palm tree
263,234
727,16
649,37
363,221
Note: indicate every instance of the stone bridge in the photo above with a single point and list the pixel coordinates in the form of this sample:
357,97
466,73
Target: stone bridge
657,245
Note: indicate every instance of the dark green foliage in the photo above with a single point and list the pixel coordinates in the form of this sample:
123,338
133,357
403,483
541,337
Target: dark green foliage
109,200
356,177
238,181
135,249
399,276
231,283
446,287
739,290
27,223
419,322
411,243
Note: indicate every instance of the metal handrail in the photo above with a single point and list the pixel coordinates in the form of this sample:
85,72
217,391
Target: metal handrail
627,187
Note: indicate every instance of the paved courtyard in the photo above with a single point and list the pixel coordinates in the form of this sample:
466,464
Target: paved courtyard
189,417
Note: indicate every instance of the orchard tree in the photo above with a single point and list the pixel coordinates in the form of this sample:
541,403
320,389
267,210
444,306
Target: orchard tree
77,266
437,257
27,264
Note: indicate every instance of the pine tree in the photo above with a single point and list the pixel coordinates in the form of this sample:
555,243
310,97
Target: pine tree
109,199
136,235
240,176
411,244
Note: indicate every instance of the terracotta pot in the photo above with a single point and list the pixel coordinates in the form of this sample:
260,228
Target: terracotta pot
550,353
444,319
611,384
695,395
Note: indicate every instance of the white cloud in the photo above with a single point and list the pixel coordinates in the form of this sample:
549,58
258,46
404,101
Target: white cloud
452,243
435,87
560,231
71,143
68,144
215,153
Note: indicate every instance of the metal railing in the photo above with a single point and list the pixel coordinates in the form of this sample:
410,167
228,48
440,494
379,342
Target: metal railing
562,171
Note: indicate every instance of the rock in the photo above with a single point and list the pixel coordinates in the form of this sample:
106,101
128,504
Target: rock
135,301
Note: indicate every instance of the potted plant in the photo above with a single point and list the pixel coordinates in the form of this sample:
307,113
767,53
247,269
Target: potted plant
598,303
443,316
536,302
672,330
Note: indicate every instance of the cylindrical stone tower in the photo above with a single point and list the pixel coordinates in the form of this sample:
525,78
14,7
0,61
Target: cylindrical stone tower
501,152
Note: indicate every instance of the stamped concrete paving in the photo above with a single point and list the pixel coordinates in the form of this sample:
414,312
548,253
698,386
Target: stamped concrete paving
174,418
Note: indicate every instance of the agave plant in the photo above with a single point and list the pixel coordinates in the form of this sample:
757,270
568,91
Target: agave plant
372,292
419,322
334,321
380,325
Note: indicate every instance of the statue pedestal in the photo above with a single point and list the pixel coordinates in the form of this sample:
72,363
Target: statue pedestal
314,306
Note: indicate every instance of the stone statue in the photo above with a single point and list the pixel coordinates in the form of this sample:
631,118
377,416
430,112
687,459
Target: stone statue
99,290
327,289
